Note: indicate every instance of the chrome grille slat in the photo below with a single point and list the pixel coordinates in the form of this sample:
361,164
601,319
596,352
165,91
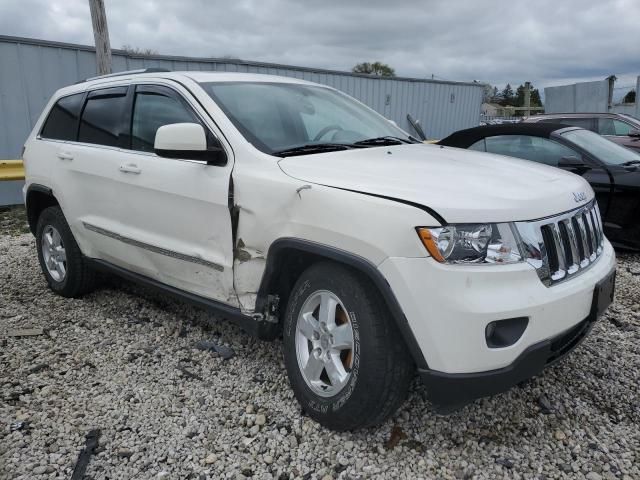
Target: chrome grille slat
560,272
563,246
573,260
582,235
587,236
593,236
595,213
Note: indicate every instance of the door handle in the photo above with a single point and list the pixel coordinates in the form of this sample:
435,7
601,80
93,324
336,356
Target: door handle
130,168
65,156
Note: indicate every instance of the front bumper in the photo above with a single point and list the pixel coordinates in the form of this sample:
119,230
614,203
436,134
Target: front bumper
450,391
448,307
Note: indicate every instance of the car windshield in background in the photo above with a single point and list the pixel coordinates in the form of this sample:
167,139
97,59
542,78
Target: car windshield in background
607,151
296,119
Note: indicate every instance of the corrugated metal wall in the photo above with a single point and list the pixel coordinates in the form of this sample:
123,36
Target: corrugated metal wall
586,97
32,70
577,97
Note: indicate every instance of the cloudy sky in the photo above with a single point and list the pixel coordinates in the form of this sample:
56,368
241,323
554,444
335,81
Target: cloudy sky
549,42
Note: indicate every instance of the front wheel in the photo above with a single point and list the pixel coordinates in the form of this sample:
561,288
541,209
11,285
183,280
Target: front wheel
345,358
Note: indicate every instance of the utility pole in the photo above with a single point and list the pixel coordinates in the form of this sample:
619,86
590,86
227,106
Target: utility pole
527,98
101,37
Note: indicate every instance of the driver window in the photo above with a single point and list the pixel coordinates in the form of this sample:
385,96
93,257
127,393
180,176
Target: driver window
609,126
536,149
621,128
151,111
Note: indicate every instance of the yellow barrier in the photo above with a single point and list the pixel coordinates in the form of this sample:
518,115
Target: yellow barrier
11,170
14,169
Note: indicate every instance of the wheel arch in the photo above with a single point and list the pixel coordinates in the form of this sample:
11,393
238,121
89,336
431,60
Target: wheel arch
38,198
287,258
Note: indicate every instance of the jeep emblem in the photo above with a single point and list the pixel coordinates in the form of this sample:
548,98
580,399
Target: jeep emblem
579,196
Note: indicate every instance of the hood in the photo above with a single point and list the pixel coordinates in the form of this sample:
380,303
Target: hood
462,186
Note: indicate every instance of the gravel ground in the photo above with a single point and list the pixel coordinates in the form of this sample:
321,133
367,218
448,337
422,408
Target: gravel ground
123,360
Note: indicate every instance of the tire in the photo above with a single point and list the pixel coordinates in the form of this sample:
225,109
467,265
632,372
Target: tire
74,278
378,367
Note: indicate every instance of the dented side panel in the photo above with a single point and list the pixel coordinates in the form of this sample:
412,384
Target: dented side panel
272,205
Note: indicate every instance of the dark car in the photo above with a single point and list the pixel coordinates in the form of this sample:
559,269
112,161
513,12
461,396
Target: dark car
613,171
617,127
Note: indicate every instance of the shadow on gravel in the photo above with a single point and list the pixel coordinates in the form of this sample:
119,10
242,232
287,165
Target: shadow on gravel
13,220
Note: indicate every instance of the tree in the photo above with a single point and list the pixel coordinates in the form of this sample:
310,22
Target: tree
630,97
139,51
506,96
488,91
375,68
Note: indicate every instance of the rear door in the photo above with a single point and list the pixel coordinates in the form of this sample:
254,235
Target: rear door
85,170
174,221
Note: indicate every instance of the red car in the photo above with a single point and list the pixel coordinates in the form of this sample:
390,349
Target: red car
617,127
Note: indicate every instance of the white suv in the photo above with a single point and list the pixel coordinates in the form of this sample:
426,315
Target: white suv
295,210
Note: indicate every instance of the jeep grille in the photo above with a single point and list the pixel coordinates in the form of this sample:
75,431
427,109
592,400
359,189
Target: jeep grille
563,246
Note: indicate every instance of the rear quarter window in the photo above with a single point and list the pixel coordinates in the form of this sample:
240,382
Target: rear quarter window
586,123
62,122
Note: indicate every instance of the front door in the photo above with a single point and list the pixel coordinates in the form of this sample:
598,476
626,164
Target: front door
175,220
623,218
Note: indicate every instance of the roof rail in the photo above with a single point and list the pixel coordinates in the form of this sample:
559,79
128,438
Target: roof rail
128,72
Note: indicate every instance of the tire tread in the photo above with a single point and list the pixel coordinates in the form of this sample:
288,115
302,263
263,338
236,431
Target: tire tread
383,387
81,279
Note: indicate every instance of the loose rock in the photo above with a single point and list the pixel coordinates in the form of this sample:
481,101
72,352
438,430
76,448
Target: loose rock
239,419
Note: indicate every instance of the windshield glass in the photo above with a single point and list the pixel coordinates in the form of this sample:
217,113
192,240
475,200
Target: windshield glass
603,149
277,117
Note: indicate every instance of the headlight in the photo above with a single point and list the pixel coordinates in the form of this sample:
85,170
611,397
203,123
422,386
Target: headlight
472,243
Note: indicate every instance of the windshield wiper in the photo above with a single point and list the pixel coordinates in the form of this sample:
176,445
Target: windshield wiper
312,148
631,162
386,140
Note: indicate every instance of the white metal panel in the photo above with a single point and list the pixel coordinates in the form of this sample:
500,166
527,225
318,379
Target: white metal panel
31,70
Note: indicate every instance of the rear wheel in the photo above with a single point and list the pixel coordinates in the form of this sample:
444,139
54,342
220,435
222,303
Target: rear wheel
62,263
346,361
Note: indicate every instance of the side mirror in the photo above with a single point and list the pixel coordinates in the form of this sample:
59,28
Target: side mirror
571,162
187,141
634,132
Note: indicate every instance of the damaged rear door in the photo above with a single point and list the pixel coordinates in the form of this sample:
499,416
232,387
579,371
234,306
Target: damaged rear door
176,224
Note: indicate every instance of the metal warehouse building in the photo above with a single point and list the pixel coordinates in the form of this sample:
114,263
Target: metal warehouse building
32,70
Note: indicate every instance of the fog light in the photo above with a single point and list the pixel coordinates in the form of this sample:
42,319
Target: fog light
504,333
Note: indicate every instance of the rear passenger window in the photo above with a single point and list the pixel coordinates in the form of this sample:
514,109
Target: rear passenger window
151,111
62,122
103,119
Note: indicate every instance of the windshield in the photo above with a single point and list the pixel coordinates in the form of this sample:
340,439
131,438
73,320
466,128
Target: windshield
277,117
603,149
